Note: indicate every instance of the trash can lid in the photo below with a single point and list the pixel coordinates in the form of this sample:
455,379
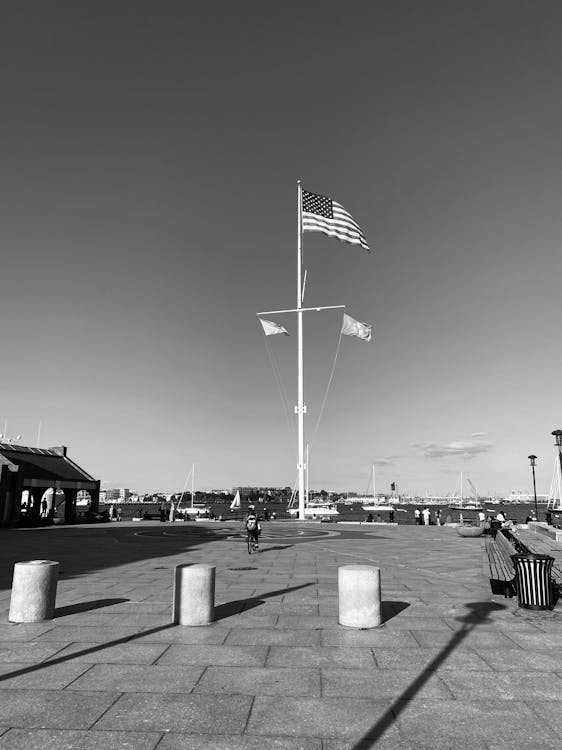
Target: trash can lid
531,556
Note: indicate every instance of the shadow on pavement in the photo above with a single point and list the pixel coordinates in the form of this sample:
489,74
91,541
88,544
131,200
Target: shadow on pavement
273,548
84,549
391,609
84,652
235,607
478,615
73,609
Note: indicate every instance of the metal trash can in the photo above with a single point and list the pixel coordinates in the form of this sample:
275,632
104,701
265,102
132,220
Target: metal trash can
535,589
495,526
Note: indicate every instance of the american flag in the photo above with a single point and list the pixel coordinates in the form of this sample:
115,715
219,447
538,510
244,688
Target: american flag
321,214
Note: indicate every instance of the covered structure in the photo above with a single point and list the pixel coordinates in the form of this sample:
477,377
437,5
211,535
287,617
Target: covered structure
41,484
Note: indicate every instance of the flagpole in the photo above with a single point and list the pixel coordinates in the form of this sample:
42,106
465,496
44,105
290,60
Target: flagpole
300,365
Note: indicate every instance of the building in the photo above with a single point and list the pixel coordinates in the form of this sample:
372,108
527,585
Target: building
26,475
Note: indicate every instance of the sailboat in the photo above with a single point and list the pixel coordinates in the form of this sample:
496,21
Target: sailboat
313,508
235,504
555,494
462,504
194,509
375,504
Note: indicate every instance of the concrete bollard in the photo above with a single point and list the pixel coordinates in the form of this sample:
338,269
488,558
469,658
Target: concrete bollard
194,594
359,593
34,590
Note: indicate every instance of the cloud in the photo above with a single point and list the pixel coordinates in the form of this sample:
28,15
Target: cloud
479,434
383,462
465,449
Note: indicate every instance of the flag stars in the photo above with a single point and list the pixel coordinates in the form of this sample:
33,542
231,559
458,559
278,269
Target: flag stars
317,204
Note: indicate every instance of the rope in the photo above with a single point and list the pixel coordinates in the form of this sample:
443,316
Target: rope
279,382
327,391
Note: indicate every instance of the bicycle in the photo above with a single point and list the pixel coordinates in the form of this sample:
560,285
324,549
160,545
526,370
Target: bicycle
252,542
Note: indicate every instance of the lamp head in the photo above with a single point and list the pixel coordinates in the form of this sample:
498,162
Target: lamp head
558,437
532,459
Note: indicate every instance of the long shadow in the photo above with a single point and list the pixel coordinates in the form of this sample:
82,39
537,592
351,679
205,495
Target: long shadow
479,613
235,607
84,652
83,549
224,610
73,609
276,547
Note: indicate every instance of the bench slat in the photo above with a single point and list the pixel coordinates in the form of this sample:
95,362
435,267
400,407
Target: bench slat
499,565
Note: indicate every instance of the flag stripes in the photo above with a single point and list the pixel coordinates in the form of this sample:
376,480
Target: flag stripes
322,214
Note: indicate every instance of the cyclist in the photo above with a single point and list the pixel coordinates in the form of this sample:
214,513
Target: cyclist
252,526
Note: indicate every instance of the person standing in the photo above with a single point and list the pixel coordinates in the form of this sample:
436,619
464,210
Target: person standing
438,516
426,515
417,516
481,518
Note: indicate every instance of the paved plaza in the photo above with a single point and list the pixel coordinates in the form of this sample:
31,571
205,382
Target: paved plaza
451,667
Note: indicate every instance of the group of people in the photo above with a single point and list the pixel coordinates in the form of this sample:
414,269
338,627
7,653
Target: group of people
370,518
423,517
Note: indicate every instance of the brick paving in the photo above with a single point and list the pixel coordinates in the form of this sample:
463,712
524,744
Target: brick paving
451,667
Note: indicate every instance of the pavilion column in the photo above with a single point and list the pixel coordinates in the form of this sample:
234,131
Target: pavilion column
70,504
34,502
95,498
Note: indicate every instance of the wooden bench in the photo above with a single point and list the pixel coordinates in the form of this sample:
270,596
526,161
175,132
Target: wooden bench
499,565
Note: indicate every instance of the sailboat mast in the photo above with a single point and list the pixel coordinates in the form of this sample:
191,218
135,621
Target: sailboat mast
192,483
300,359
374,493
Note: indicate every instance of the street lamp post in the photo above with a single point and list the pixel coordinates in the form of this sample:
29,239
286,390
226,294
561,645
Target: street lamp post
533,459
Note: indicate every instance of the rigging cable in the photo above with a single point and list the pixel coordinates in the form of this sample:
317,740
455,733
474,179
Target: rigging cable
315,432
282,393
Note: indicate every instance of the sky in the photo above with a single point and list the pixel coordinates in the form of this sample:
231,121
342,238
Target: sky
150,153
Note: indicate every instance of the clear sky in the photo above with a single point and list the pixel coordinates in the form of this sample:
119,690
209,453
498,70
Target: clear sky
150,157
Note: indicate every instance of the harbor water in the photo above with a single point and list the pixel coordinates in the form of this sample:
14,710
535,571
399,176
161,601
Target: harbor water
512,511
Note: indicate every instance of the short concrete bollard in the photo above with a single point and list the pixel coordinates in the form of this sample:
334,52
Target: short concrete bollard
194,594
34,590
359,592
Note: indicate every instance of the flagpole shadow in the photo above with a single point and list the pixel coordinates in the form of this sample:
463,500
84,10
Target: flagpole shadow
478,614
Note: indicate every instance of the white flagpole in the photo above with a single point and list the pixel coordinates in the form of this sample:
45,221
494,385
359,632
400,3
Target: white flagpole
300,387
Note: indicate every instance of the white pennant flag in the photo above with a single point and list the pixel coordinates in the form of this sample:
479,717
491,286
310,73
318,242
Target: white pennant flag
270,328
352,327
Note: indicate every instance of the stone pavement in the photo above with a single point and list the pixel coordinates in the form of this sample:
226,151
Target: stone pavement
451,667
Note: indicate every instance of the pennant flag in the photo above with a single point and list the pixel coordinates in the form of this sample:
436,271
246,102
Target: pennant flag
270,329
352,327
321,214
